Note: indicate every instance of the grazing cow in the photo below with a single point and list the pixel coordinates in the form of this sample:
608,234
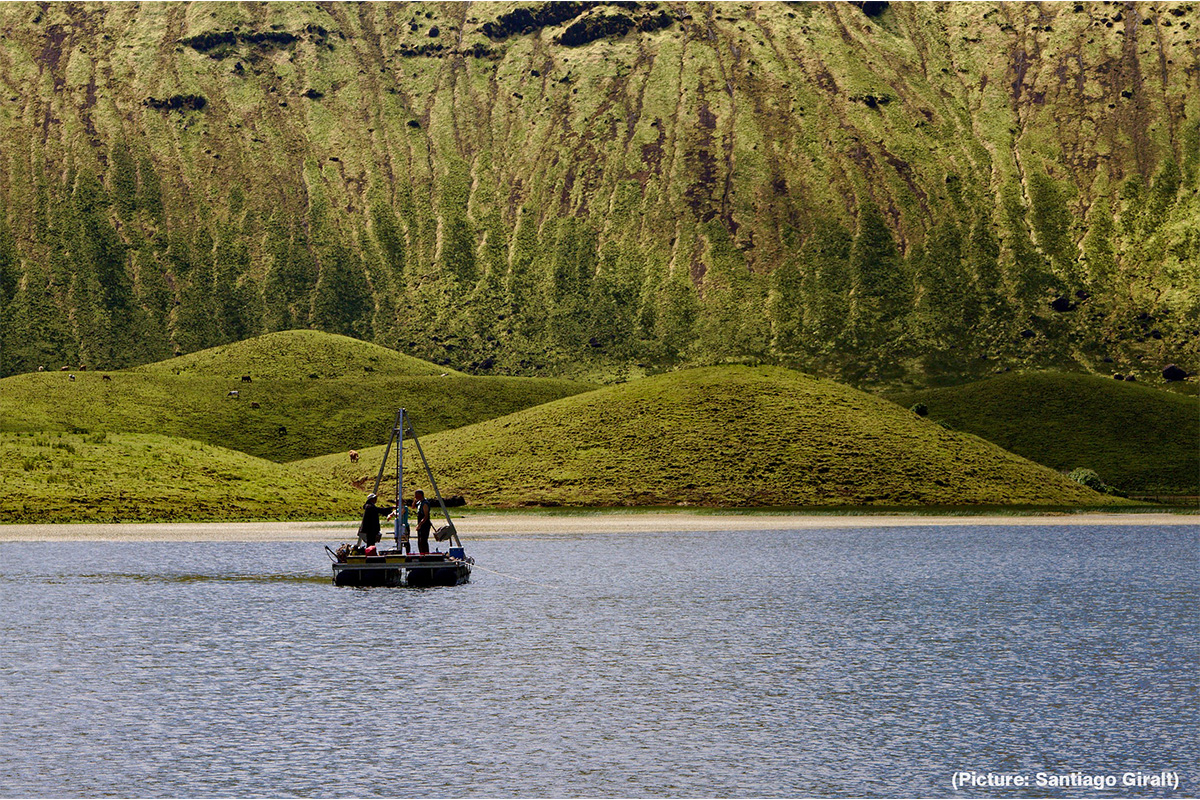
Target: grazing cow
353,456
232,393
254,405
245,379
106,377
41,368
63,369
71,377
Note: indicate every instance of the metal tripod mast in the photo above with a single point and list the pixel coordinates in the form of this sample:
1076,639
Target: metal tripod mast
398,433
433,483
396,429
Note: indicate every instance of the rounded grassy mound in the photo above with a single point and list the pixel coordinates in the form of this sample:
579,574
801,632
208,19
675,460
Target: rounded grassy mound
725,437
1139,439
120,477
298,354
282,420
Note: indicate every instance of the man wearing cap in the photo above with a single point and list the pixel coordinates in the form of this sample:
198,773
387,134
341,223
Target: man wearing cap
368,530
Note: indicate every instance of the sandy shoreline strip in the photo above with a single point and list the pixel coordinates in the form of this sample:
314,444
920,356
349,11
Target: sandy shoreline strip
508,525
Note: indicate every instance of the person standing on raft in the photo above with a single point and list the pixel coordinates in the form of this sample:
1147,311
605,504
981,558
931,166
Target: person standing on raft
402,529
368,529
421,508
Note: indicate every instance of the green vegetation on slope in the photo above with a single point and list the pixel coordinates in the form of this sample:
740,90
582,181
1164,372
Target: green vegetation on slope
722,437
119,477
707,180
1137,439
294,418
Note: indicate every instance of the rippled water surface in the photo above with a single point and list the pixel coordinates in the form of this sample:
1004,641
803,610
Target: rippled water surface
811,663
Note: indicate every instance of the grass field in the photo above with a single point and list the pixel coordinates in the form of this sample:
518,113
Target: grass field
279,418
123,477
1139,440
168,442
721,437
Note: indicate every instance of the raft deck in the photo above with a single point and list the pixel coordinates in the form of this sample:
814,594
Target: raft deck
395,568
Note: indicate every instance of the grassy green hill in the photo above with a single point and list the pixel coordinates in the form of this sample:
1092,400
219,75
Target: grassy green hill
122,477
295,417
723,437
1138,439
298,354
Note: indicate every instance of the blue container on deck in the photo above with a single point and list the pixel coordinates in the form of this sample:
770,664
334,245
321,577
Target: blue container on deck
458,552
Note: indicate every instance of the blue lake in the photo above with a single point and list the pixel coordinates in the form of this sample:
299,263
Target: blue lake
834,662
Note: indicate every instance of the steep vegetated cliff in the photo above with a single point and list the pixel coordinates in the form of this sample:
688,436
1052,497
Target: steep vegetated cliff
878,193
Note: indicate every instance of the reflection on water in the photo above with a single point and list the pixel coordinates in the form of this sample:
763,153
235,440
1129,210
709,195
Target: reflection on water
259,578
814,663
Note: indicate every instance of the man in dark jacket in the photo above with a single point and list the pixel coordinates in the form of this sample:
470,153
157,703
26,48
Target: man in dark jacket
368,530
421,508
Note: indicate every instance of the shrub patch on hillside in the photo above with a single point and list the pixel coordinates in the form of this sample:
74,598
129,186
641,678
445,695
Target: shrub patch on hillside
177,102
210,40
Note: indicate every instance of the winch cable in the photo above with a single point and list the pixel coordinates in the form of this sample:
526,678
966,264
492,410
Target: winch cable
504,575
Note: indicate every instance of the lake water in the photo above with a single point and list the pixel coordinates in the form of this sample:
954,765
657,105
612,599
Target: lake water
809,663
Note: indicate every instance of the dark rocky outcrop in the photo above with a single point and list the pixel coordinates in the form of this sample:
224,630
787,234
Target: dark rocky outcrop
203,42
871,100
211,40
432,49
655,22
528,20
269,38
177,102
872,8
1173,372
479,50
589,29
